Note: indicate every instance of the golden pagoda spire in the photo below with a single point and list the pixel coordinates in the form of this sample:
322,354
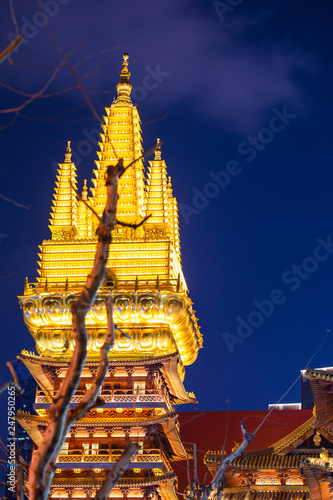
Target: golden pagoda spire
85,190
121,138
64,210
124,87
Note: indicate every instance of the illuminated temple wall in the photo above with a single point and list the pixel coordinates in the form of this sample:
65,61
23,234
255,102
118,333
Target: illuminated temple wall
151,305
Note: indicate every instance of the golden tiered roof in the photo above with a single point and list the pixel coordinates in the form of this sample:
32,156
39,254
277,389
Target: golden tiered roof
145,276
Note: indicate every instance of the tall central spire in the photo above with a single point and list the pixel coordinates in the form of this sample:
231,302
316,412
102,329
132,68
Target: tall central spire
121,138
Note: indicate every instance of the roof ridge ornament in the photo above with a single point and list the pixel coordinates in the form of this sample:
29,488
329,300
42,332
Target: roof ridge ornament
68,154
85,190
158,150
124,87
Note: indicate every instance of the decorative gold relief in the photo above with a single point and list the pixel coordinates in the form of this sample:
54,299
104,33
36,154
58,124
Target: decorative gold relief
158,314
149,341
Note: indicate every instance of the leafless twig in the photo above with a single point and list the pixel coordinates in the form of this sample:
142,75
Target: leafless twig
14,202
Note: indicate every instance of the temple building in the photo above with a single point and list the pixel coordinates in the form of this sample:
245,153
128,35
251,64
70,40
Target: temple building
158,333
290,457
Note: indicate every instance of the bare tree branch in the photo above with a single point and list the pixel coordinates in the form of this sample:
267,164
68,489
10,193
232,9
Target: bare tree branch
14,202
59,92
84,201
49,81
111,327
216,484
134,226
12,383
156,119
60,416
117,471
12,13
73,70
7,52
9,124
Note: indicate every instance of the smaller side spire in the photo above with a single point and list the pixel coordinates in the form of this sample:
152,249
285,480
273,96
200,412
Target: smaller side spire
64,209
157,202
82,214
158,150
68,154
85,191
124,87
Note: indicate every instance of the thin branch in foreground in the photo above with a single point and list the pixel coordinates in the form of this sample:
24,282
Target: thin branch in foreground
12,383
122,332
216,481
73,70
85,202
133,226
47,84
9,124
58,92
145,155
117,471
156,119
7,52
6,277
110,327
14,202
295,381
12,13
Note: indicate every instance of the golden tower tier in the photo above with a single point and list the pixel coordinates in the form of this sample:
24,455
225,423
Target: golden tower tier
151,306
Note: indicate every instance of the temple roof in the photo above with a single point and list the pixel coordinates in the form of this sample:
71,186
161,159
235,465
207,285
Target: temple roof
139,481
321,384
33,423
169,364
209,430
266,493
100,421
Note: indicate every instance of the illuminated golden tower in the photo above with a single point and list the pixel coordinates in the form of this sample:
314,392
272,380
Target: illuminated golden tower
151,306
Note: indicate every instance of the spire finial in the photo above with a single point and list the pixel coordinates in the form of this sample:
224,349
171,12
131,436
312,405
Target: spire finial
124,87
158,150
68,154
85,190
125,74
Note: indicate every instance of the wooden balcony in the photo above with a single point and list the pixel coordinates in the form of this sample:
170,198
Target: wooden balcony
123,398
83,459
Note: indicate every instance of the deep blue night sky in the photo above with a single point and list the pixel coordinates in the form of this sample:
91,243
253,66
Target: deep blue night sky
220,84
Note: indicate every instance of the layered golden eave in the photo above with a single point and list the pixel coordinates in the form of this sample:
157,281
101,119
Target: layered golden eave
158,322
33,424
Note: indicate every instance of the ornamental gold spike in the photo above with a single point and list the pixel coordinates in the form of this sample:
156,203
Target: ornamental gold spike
124,87
68,154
